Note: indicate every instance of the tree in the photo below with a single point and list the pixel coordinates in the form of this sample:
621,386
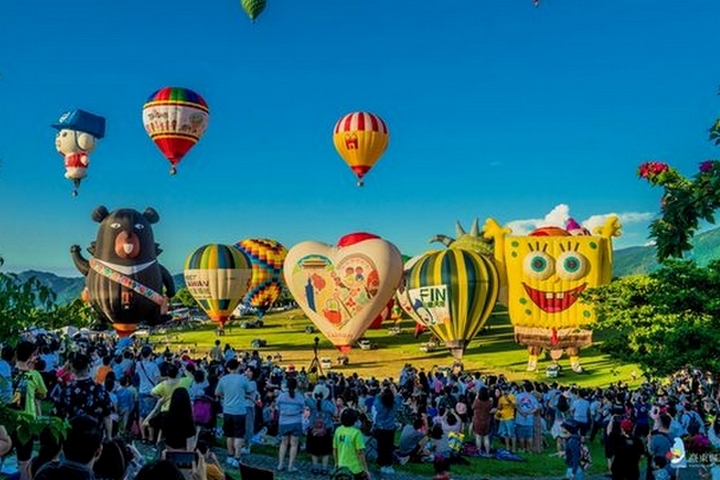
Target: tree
662,322
23,305
185,297
685,202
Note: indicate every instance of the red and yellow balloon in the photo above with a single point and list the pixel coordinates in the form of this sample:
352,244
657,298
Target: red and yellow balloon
175,118
361,138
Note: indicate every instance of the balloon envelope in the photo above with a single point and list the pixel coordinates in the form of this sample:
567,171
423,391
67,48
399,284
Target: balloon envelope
342,289
267,257
217,276
361,138
454,292
253,8
175,118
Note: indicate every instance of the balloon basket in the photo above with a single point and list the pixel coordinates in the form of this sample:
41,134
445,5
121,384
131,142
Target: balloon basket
173,171
360,183
74,193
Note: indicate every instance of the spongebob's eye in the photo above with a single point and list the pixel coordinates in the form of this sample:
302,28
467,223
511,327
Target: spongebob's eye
572,266
115,225
64,134
538,265
139,226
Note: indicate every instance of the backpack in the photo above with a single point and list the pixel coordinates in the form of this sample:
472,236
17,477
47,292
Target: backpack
20,387
693,427
318,429
585,457
202,411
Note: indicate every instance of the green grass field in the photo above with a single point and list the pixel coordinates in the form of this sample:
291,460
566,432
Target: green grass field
493,351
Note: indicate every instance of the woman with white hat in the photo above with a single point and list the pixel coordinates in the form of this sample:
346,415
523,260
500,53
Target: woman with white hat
320,434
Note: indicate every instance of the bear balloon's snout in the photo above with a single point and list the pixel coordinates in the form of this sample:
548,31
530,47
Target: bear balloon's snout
127,245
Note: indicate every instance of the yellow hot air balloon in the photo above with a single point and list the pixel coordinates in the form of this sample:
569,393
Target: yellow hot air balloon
218,277
361,138
454,292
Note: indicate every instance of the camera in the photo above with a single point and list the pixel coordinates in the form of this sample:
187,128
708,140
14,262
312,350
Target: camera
182,460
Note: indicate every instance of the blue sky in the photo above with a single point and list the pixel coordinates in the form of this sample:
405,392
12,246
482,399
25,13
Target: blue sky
495,109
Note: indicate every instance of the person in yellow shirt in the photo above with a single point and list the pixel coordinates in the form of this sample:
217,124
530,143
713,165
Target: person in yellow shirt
164,391
505,415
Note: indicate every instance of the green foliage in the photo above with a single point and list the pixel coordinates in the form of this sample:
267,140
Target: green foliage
28,304
664,321
185,297
26,426
22,305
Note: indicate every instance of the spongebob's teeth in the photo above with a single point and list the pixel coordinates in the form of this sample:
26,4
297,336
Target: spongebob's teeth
549,295
559,295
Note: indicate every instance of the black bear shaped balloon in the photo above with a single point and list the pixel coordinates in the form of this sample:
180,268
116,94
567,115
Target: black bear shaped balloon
123,279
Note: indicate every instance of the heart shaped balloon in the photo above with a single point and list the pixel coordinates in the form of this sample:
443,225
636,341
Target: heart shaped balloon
343,288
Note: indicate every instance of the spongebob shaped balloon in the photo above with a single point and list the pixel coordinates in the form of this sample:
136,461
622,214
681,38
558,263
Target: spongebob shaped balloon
77,134
545,272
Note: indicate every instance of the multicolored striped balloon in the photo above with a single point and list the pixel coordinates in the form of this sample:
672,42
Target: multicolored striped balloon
267,257
453,292
253,8
361,138
175,118
218,277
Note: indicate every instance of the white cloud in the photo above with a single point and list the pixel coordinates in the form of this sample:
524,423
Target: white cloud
558,216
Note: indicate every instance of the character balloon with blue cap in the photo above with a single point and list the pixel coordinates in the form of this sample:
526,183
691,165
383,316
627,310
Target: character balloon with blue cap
78,132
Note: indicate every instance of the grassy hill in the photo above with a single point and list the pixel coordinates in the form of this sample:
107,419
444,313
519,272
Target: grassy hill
641,260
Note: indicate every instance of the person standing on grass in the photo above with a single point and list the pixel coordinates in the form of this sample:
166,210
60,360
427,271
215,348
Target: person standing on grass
291,406
505,415
525,407
233,389
482,421
250,405
149,375
386,406
349,446
319,435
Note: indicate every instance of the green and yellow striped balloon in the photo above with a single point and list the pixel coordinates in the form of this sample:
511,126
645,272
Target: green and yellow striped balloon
253,7
218,277
453,291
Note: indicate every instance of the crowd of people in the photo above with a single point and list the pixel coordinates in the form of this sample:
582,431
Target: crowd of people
182,404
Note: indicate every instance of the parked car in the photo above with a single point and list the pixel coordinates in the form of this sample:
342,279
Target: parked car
326,363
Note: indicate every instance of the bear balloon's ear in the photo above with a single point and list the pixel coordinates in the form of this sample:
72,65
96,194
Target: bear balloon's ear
151,215
100,213
91,248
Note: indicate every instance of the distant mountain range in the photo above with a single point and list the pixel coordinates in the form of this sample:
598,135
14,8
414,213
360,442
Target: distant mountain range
627,261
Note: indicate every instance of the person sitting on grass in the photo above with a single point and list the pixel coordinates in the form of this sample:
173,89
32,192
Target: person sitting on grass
412,442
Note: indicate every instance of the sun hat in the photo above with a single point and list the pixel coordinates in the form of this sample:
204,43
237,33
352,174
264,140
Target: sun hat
627,425
321,389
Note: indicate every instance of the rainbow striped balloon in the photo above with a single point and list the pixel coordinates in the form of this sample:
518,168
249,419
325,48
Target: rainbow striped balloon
175,118
267,257
218,277
453,292
361,138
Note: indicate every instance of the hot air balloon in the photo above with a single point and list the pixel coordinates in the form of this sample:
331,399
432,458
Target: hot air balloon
78,133
218,277
361,138
123,279
454,292
403,298
267,257
382,316
175,118
343,288
253,8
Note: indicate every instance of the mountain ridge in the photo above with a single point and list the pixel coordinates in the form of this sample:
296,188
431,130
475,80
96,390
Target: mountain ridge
637,260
